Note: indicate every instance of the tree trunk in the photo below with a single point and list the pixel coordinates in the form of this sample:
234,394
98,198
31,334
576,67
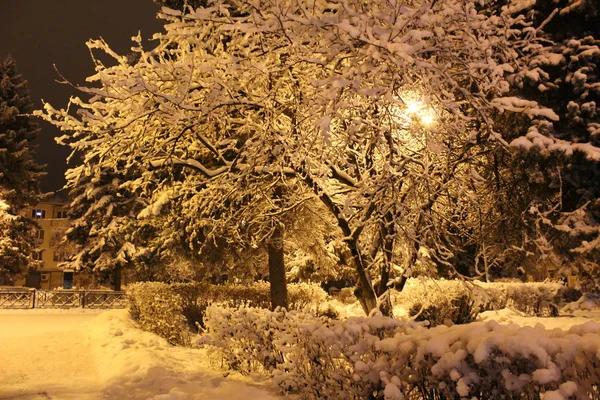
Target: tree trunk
117,279
277,269
364,290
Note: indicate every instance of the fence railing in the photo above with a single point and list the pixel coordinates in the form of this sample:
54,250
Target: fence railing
61,299
17,298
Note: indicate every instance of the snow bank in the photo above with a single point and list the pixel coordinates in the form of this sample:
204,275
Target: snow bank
134,364
587,302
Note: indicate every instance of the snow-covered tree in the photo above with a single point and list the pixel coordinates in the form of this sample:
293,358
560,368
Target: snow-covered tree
103,215
557,153
15,242
245,110
19,173
181,5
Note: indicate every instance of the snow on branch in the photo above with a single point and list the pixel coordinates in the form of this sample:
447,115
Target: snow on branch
527,107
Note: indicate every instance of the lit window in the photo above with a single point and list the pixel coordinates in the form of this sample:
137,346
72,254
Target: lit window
38,214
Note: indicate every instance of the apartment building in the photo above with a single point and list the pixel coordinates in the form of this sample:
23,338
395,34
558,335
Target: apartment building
51,216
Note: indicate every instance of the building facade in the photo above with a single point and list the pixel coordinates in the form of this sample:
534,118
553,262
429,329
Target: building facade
46,272
52,217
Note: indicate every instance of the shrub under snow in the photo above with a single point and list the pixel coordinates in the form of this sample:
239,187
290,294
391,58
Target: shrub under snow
457,301
172,311
587,302
385,358
158,308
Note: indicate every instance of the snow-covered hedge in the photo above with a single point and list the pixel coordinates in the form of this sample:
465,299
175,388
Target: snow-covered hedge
173,310
458,301
158,308
385,358
257,294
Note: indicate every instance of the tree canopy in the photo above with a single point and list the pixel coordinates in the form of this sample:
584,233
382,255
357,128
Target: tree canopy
385,112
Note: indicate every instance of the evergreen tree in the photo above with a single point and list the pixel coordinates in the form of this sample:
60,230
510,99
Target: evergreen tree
102,218
181,5
555,165
19,173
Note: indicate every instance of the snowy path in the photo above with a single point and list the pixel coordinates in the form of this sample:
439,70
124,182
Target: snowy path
43,354
65,356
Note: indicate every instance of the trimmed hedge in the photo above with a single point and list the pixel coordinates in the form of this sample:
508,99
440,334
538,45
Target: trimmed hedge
158,308
176,311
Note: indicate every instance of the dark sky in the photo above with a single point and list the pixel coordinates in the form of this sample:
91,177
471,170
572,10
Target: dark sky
40,33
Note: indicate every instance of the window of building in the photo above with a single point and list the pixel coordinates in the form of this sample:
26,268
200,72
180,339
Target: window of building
38,214
59,256
39,234
36,256
61,214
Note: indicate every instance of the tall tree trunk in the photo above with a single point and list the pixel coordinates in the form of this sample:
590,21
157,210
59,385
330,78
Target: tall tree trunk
117,278
277,269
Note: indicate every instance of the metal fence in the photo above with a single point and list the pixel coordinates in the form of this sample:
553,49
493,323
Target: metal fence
17,298
61,299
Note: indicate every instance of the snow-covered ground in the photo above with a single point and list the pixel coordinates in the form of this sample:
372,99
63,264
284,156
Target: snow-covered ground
564,321
78,354
87,354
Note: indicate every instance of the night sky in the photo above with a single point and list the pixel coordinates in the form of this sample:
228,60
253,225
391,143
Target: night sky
40,33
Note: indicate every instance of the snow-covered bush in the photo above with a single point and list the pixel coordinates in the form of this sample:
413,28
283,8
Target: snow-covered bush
491,361
306,354
244,337
158,308
345,295
325,359
305,295
533,298
385,358
460,301
173,311
257,294
457,309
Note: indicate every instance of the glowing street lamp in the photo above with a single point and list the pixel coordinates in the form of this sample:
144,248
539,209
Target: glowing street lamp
416,111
